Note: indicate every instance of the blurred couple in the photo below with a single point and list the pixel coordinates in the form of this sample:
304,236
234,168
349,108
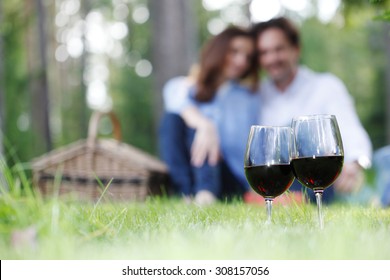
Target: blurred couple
208,114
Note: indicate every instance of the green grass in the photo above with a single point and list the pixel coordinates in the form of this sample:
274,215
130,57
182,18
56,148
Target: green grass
163,228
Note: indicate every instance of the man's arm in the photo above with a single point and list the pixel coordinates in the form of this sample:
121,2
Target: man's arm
357,144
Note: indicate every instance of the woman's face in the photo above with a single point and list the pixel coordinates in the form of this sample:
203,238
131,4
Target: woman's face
239,56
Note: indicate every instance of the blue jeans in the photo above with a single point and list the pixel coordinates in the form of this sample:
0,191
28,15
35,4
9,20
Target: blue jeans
382,174
175,145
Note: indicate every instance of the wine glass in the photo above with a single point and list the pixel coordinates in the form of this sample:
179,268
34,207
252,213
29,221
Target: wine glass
267,162
317,155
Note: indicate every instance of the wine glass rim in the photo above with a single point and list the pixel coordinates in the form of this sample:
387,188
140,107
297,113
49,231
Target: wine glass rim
271,126
312,117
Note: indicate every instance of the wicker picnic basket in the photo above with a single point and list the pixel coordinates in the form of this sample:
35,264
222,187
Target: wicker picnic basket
86,167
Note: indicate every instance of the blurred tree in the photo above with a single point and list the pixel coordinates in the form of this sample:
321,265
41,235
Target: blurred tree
39,91
82,103
69,89
131,82
350,9
173,42
17,138
2,87
387,48
384,14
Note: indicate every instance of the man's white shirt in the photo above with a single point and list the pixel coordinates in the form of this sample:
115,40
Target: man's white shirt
313,93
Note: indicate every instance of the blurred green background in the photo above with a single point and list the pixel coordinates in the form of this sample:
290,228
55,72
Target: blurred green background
62,59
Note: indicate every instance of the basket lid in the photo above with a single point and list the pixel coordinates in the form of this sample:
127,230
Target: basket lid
111,148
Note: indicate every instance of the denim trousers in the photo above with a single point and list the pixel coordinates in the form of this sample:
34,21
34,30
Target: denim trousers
175,140
382,175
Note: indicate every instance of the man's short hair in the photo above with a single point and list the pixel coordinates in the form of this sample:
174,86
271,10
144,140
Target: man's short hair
282,23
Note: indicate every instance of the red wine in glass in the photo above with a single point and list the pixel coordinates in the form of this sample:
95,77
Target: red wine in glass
269,181
317,173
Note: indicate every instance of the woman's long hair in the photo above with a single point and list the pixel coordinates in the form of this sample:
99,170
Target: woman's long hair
212,63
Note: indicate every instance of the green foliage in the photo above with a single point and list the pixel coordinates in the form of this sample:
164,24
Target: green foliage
134,106
385,16
382,6
16,82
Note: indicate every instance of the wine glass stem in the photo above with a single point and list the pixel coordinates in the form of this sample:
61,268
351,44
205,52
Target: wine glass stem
268,203
319,207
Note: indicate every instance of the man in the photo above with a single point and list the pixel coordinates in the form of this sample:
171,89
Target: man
292,90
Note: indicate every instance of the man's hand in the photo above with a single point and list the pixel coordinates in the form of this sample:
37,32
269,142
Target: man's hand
351,178
205,145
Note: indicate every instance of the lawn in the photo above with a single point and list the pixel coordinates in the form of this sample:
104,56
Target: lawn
167,228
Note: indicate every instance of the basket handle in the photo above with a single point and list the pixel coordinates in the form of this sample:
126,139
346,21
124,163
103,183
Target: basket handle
94,124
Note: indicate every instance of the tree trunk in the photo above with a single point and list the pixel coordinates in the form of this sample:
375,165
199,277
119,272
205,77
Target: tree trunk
85,9
2,86
387,51
38,80
173,44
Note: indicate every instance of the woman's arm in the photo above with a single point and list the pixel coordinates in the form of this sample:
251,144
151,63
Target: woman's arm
177,100
206,144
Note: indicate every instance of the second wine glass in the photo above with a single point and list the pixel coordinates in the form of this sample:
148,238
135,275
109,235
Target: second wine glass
267,162
317,155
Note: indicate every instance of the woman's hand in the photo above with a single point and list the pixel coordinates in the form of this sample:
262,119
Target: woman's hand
206,144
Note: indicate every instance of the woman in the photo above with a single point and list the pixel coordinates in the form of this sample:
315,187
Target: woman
204,133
